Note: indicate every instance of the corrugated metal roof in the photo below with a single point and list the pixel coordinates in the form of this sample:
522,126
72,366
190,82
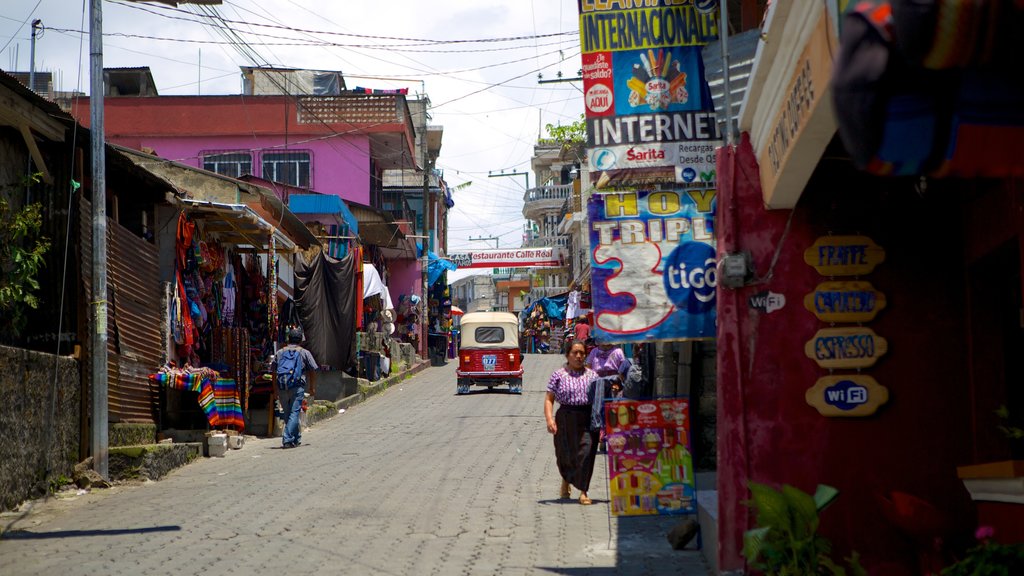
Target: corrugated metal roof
742,48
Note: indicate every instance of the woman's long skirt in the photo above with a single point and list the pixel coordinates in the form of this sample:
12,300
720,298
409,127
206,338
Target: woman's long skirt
575,445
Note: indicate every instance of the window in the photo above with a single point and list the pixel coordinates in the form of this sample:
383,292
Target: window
489,335
233,164
287,167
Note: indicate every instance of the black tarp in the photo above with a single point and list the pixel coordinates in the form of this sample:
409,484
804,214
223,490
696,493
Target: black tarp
325,294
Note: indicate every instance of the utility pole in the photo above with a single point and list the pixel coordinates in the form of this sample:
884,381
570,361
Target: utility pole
503,173
99,439
487,239
36,25
723,34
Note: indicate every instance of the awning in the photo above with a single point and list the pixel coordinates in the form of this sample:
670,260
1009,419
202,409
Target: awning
237,224
323,204
376,226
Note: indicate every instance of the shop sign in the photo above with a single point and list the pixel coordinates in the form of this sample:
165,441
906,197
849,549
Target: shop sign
801,122
852,301
844,255
650,466
654,269
848,395
649,112
851,347
767,301
547,257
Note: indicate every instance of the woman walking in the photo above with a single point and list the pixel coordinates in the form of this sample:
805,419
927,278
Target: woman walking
575,442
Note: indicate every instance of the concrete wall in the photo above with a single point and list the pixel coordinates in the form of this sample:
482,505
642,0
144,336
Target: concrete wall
34,437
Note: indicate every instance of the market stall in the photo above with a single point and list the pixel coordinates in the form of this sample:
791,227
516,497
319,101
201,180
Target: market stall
224,318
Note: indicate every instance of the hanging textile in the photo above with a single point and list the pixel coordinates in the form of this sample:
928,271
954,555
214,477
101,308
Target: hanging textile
326,296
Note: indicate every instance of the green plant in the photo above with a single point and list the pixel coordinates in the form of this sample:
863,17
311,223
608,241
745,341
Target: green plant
1007,425
58,482
786,540
21,257
989,558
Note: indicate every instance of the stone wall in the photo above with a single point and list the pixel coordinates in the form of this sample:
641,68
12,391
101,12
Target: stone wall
39,422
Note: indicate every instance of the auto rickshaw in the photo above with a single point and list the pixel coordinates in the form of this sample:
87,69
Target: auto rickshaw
489,354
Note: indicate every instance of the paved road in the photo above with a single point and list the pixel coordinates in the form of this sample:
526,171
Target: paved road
415,481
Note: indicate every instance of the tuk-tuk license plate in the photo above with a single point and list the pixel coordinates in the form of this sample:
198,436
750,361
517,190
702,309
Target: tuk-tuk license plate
490,361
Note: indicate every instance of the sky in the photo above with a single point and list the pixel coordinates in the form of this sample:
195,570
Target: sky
477,61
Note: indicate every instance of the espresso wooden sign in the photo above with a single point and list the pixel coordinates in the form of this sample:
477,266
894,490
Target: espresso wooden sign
848,395
850,347
844,255
851,301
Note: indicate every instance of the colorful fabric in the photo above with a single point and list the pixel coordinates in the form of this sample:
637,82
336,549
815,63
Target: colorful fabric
218,397
572,388
228,405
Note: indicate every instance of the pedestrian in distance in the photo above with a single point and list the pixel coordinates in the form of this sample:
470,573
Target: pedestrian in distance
611,365
295,367
575,443
582,329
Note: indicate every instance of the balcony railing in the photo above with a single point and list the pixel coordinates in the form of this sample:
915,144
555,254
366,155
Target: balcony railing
559,192
545,241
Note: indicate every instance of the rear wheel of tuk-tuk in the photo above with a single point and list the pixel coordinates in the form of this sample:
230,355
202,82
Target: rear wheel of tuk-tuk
516,386
463,386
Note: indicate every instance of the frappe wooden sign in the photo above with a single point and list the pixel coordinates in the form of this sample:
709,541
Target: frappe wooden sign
844,255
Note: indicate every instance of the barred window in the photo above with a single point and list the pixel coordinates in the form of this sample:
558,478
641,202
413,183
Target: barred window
287,167
233,164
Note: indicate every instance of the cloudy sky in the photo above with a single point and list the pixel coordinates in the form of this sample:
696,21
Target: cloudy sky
478,61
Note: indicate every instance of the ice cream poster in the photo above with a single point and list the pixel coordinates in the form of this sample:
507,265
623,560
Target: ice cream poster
654,264
650,466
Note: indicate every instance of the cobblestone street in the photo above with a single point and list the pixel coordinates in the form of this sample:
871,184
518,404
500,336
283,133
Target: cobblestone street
414,481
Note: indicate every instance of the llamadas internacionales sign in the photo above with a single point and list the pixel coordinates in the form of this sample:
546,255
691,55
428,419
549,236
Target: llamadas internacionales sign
650,117
654,267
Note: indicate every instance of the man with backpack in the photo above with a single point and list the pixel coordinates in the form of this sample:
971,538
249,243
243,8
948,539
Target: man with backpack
291,364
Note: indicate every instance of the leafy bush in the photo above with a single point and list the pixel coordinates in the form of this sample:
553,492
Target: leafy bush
786,540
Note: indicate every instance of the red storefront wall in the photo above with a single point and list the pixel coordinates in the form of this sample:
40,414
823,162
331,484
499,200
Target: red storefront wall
768,433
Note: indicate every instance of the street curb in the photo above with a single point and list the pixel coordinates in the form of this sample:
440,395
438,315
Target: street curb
365,391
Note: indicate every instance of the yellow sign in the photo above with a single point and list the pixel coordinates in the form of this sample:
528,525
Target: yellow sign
844,255
851,301
847,395
852,347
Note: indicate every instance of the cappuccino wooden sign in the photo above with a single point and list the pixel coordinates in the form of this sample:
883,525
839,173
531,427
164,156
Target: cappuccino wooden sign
848,395
851,301
851,347
844,255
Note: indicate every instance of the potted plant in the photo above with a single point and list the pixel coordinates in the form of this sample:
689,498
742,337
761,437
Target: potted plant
989,558
786,540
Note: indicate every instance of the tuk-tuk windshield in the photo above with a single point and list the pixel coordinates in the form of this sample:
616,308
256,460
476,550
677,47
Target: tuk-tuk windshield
489,335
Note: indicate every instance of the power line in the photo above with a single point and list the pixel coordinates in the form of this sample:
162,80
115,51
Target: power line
425,41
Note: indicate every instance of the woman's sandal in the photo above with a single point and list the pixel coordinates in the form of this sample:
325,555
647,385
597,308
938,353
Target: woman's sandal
585,500
564,494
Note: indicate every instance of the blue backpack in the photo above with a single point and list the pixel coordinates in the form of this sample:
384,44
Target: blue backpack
289,368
